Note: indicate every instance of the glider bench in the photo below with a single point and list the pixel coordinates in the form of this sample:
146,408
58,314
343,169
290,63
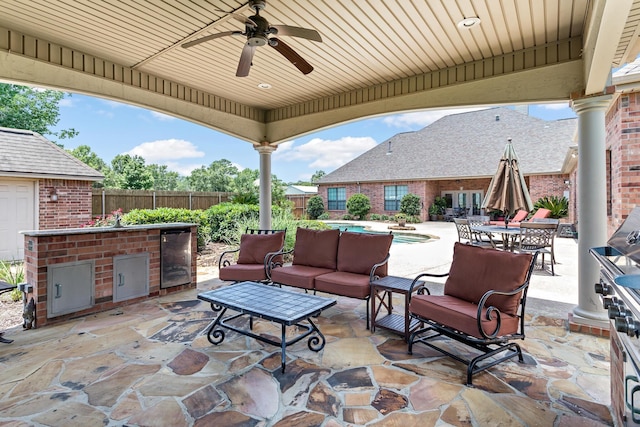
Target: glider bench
482,306
339,263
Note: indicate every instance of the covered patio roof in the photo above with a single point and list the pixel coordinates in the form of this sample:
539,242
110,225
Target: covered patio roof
375,57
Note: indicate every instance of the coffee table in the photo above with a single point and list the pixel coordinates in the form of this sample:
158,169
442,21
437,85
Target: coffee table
288,308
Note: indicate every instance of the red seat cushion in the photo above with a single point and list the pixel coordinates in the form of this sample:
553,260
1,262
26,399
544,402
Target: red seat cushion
476,270
358,252
299,276
316,248
346,284
242,272
460,315
254,247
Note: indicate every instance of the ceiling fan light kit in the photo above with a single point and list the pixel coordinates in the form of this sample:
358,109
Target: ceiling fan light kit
257,32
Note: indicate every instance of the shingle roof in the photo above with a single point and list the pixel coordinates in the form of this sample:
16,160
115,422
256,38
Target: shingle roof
28,154
465,145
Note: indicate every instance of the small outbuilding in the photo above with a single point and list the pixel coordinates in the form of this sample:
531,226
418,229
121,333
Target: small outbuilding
41,187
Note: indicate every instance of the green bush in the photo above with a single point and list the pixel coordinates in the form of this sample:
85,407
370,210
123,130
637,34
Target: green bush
410,205
315,207
559,206
359,205
347,217
223,219
166,215
325,216
384,217
375,217
12,273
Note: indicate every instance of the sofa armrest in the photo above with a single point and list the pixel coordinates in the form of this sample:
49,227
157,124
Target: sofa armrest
270,264
421,288
372,273
225,258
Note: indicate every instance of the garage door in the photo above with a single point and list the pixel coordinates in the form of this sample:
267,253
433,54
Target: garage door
17,202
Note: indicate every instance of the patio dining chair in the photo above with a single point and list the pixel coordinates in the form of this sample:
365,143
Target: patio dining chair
475,220
466,235
538,237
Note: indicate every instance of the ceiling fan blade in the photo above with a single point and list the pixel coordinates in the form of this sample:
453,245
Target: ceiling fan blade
244,20
245,60
211,37
291,55
305,33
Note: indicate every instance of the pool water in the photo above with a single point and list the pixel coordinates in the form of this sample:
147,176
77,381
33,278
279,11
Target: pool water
397,237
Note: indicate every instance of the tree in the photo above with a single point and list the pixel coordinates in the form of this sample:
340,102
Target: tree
246,189
131,173
91,159
163,178
36,110
218,176
317,176
359,205
410,204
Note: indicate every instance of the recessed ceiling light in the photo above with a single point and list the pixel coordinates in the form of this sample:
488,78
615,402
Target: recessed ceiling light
469,22
264,85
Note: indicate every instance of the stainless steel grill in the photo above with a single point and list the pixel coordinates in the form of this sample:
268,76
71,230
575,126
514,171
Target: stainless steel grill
619,289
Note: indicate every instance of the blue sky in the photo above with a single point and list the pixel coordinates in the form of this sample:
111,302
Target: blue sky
112,128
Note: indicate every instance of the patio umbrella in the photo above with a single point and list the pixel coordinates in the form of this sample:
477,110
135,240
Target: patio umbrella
508,191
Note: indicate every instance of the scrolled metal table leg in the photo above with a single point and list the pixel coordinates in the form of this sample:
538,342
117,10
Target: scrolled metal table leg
216,336
316,342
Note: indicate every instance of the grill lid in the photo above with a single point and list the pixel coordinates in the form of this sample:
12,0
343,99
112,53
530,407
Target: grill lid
626,238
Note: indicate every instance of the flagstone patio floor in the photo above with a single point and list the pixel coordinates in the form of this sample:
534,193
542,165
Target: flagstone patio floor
150,364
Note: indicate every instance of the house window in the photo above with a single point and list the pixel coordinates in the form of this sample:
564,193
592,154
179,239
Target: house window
393,194
337,199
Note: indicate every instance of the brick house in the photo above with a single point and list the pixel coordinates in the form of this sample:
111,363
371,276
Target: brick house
455,157
41,187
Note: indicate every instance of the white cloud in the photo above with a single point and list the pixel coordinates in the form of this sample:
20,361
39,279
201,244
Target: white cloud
326,154
556,106
165,150
66,102
184,170
423,118
285,146
161,116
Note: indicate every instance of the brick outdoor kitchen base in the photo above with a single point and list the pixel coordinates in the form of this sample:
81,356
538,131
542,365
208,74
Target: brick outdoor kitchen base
79,271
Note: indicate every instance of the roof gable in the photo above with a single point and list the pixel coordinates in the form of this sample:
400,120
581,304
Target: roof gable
465,145
28,154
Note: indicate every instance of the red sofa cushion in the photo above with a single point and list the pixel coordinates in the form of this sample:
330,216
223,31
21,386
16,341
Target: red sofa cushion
316,248
300,276
476,270
358,252
345,284
242,272
254,247
460,315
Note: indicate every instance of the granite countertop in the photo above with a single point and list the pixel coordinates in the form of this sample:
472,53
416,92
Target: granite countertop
95,230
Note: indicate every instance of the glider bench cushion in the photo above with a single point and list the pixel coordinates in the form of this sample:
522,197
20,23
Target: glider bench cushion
336,263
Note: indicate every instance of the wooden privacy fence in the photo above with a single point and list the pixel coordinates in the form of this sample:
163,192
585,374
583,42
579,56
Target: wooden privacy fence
105,201
299,203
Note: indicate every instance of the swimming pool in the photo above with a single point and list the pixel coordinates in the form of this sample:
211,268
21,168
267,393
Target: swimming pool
397,237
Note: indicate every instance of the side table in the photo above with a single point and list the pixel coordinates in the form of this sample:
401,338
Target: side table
382,291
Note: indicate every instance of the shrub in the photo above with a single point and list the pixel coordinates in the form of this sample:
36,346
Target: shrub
325,216
223,219
347,217
384,217
375,217
12,273
413,219
359,205
165,215
315,207
410,205
559,206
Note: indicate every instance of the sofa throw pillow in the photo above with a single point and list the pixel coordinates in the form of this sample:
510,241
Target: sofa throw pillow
316,248
254,247
358,252
476,270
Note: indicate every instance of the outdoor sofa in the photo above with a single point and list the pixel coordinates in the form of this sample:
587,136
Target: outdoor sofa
253,256
339,263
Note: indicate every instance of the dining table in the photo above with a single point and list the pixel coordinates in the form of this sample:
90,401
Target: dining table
509,235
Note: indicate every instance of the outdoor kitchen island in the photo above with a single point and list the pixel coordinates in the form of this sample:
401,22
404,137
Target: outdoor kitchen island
78,271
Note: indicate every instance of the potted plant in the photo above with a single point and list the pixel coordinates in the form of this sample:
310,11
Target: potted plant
401,219
434,211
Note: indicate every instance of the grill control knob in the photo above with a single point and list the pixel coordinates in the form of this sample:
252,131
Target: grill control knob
608,302
618,310
603,289
628,326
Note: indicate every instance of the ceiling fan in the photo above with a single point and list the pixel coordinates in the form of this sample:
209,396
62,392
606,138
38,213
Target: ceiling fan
258,32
